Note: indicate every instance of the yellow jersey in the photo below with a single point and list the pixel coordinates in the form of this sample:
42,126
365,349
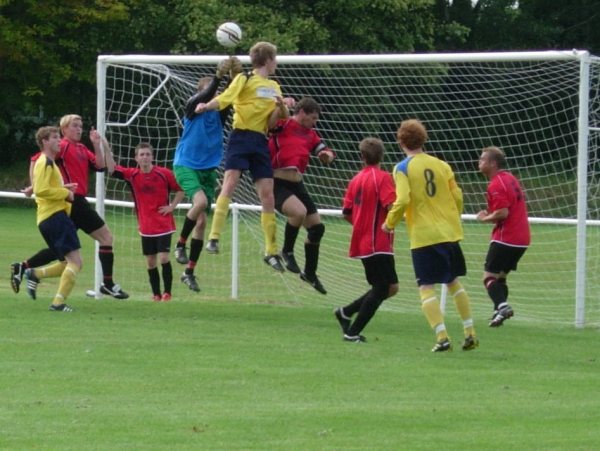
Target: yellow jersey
49,190
253,99
427,193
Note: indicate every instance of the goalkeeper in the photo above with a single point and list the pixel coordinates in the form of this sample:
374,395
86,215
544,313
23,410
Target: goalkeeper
198,155
291,143
257,104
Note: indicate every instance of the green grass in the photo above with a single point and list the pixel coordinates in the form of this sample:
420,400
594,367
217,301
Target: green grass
206,375
206,372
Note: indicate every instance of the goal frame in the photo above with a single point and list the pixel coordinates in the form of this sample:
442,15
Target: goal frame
583,57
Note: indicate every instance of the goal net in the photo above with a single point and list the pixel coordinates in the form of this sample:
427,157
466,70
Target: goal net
540,107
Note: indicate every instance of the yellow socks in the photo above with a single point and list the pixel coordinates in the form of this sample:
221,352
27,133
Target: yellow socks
67,281
430,305
463,306
269,226
53,270
219,217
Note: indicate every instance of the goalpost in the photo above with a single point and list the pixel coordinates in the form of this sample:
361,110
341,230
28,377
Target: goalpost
542,108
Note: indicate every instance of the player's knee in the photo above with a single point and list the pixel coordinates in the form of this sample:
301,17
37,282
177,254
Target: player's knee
489,281
315,233
381,291
393,289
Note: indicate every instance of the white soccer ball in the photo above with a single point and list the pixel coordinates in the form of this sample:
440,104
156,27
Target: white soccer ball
229,34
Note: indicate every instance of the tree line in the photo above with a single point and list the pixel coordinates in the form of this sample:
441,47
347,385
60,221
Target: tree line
48,48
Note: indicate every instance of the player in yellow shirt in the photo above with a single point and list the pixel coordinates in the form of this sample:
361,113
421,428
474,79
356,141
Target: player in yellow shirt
427,194
53,200
257,104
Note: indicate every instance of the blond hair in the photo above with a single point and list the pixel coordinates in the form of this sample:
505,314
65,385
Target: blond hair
43,134
66,120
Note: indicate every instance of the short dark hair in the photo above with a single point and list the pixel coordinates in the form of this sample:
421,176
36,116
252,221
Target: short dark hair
371,150
308,105
496,154
144,145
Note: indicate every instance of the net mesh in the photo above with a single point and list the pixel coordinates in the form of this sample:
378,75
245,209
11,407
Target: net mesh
528,108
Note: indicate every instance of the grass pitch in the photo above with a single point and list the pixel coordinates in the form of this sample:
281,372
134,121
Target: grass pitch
222,374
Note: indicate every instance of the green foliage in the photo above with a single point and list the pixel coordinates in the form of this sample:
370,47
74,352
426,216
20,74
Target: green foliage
48,49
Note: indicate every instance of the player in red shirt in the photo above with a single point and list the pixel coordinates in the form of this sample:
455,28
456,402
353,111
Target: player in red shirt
75,161
151,187
291,143
369,196
507,210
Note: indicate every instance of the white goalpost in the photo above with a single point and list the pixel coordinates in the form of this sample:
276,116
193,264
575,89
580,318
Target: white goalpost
542,108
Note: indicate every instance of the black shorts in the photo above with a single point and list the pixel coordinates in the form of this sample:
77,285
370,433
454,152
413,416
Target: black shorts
248,150
380,269
283,189
152,245
84,216
502,258
438,263
60,234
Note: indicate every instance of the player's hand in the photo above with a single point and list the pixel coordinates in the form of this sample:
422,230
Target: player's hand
223,67
386,229
326,156
71,186
165,209
289,102
200,108
28,191
236,66
95,137
481,215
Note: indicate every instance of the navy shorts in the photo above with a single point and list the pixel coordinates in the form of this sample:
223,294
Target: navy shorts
380,270
152,245
283,189
438,263
502,258
60,234
248,151
84,216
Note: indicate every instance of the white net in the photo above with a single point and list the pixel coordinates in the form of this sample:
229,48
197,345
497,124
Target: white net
529,107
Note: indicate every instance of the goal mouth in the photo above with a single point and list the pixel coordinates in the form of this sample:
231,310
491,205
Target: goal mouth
527,103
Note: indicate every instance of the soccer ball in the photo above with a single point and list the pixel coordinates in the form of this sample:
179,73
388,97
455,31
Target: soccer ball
229,34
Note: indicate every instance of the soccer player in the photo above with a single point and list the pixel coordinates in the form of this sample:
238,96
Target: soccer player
151,187
426,191
507,210
292,141
74,161
53,199
257,104
367,199
198,155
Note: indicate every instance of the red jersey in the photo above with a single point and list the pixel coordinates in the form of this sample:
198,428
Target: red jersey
150,191
75,161
367,197
505,191
291,145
